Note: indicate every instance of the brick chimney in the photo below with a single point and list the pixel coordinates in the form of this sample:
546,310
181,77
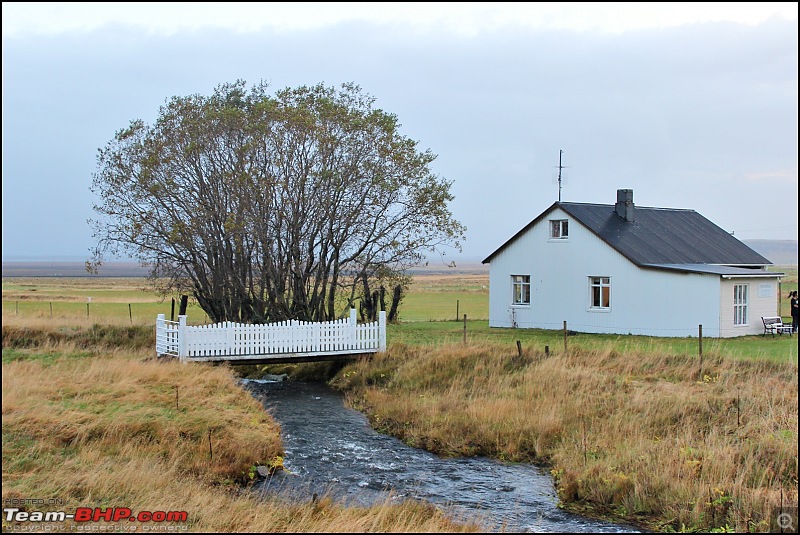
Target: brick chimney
624,206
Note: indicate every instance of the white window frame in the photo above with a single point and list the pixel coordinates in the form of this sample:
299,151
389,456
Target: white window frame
559,229
519,285
599,282
741,301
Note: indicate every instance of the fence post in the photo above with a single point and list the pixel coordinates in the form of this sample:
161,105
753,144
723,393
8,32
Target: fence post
353,322
182,353
465,328
700,340
381,330
565,336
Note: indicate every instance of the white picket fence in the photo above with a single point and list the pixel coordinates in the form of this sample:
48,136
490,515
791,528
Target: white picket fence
235,341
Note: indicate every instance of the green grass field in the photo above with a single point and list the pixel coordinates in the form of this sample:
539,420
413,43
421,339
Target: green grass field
432,312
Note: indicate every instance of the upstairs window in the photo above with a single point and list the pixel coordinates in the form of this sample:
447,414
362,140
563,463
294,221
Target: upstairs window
559,229
520,289
600,292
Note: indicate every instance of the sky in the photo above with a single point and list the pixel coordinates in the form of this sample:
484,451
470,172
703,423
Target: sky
691,105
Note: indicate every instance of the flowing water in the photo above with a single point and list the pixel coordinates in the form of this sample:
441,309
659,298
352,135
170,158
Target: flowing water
332,450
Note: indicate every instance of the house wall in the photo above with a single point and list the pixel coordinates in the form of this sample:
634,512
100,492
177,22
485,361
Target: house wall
643,301
762,301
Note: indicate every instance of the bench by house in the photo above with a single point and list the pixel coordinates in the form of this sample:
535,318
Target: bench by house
774,324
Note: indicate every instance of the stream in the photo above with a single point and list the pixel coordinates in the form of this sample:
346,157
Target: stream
332,450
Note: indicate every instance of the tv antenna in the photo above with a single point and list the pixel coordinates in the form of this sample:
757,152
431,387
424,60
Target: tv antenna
560,167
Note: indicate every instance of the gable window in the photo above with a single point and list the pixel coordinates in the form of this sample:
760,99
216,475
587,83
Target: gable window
740,304
520,289
600,292
559,229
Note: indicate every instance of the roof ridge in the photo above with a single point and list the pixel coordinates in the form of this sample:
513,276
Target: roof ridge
637,206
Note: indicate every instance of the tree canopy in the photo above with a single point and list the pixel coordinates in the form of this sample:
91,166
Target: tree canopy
269,207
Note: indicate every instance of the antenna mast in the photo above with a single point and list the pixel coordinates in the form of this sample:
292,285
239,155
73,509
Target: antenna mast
559,174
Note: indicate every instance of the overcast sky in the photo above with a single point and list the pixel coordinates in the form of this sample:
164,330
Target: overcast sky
691,105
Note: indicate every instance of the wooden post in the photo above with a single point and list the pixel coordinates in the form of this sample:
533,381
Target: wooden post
184,305
130,313
456,309
51,309
465,328
565,336
519,348
87,310
172,313
700,341
738,409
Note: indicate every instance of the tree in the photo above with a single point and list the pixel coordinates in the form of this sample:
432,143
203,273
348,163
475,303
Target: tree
271,207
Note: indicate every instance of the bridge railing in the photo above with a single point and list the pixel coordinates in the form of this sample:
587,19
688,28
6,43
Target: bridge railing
166,336
229,339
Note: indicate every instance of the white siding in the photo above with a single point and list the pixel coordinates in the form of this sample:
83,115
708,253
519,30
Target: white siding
758,305
643,301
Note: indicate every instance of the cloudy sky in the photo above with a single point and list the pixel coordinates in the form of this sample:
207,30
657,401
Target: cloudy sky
691,105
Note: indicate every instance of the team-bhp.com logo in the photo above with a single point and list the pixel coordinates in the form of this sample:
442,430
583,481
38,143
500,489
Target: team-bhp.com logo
84,517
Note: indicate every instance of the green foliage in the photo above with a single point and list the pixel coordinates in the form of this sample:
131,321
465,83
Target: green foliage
269,207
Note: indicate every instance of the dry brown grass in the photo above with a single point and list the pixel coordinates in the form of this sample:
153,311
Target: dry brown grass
643,437
102,429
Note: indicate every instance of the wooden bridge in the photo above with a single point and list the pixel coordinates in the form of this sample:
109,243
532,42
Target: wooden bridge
286,341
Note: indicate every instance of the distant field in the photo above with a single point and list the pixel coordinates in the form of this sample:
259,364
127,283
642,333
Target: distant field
432,313
435,295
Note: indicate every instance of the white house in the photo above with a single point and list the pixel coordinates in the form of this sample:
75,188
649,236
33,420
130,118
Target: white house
625,269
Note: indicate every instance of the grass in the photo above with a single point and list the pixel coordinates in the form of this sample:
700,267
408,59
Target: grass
113,427
780,348
636,436
633,427
431,297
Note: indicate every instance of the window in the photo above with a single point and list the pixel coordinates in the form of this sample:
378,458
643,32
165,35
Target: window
559,229
520,289
600,292
740,304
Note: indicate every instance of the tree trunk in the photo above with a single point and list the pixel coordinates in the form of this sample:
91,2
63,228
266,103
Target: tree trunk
397,296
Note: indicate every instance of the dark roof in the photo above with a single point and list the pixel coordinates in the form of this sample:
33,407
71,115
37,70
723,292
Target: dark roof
657,236
723,271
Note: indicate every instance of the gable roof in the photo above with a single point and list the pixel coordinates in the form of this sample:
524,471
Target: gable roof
658,237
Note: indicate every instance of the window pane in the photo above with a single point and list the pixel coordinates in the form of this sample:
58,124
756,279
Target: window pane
740,294
520,289
564,229
600,292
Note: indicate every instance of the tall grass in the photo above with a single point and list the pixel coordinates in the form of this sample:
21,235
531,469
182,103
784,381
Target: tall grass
117,428
638,436
630,426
